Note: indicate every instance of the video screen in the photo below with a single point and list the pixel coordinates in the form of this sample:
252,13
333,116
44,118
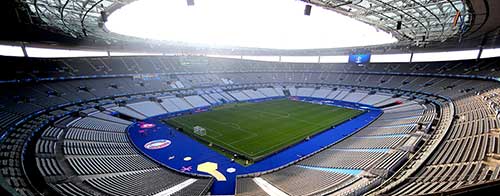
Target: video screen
359,58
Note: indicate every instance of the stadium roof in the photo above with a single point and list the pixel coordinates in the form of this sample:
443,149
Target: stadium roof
423,22
276,24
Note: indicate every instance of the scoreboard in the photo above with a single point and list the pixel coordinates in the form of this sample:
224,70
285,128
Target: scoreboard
360,58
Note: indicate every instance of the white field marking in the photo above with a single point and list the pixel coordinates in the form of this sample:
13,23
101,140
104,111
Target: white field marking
211,130
246,138
288,115
229,144
235,124
280,115
254,135
242,139
237,128
176,188
268,188
314,125
286,141
264,116
235,148
214,138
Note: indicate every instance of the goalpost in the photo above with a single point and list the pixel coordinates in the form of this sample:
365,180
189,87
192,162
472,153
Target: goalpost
200,131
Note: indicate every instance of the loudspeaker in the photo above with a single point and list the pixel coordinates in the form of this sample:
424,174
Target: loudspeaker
398,26
307,10
104,16
190,2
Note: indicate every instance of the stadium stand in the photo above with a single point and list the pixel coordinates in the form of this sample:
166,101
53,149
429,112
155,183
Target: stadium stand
64,121
91,143
389,132
246,186
463,156
147,108
93,151
196,101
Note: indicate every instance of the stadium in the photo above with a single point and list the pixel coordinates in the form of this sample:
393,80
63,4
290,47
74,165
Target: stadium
250,98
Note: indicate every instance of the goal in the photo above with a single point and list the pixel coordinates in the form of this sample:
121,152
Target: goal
200,131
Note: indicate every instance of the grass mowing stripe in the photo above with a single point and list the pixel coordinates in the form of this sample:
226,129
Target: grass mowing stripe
256,130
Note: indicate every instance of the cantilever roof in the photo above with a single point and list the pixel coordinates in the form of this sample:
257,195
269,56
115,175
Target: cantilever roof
432,19
422,21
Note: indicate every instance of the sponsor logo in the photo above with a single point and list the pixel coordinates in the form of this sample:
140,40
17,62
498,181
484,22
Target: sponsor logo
147,126
230,170
157,144
186,169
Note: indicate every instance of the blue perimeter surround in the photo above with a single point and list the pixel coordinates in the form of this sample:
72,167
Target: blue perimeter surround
183,145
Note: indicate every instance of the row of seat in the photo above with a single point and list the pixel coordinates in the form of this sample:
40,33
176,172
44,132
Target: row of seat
403,129
45,146
247,187
107,164
296,180
107,161
164,64
372,142
98,124
145,182
390,161
72,147
406,113
7,118
464,156
68,188
11,154
92,135
52,132
48,167
332,158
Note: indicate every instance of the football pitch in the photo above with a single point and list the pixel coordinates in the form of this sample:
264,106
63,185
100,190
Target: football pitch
256,130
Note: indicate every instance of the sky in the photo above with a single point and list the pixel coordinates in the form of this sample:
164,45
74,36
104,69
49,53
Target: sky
275,24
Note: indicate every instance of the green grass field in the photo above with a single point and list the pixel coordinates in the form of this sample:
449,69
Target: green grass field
257,130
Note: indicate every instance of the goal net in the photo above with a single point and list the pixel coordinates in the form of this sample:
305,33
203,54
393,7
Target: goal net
200,131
